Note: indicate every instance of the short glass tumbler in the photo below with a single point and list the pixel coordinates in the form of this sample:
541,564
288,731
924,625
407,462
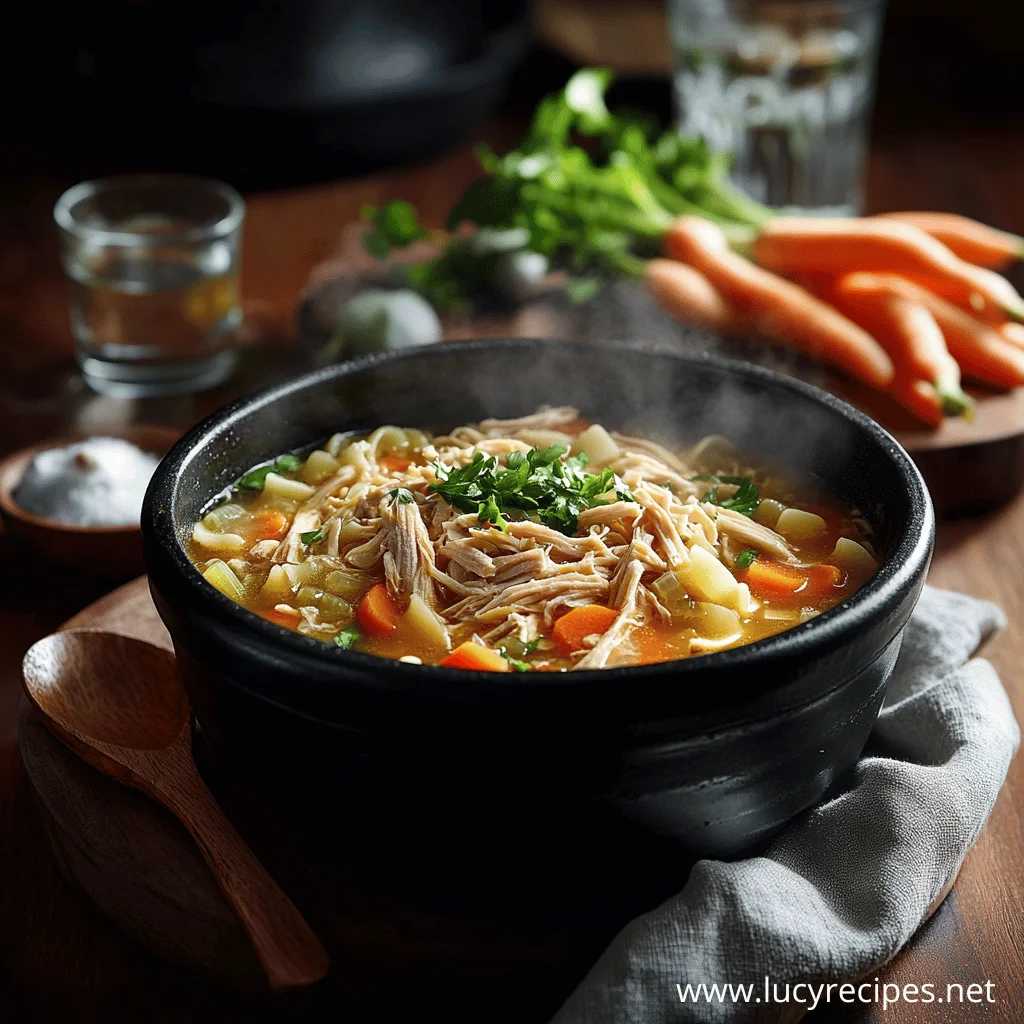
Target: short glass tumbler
784,86
153,262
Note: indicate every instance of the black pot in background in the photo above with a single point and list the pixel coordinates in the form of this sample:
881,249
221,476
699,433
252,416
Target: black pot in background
279,91
559,796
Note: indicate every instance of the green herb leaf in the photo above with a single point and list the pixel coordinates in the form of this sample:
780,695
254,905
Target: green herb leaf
490,512
312,536
745,500
487,202
532,646
394,227
256,478
401,495
519,666
624,495
745,559
347,638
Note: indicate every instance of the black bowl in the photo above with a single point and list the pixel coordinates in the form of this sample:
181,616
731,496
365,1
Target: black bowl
515,793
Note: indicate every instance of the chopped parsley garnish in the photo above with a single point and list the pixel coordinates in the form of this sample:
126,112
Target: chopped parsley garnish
347,638
745,559
744,501
519,666
312,536
256,478
402,495
541,484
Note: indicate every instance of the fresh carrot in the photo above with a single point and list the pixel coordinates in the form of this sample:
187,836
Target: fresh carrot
573,628
269,525
920,397
1013,333
971,240
980,350
778,309
806,245
377,614
911,335
689,296
475,657
804,585
973,293
394,464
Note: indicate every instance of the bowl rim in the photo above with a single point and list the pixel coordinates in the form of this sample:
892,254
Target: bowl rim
910,556
14,464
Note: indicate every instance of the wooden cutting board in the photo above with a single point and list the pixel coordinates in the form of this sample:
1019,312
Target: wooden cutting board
139,866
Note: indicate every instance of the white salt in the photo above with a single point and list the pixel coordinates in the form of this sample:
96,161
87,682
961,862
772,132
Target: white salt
97,482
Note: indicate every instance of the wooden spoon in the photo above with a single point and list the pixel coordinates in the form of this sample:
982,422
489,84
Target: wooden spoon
119,704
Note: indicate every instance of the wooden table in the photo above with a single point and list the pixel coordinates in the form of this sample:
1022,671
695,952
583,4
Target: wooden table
58,958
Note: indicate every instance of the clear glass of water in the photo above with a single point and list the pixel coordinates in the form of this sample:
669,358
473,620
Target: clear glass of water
153,262
786,87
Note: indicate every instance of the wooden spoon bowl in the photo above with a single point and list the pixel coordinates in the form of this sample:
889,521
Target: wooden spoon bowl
106,552
119,704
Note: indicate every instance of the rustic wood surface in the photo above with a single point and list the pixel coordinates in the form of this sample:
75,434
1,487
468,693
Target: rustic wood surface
118,702
59,959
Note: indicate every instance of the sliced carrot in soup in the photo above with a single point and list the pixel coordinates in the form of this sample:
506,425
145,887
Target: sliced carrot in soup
280,618
790,584
395,464
573,628
474,657
269,525
378,615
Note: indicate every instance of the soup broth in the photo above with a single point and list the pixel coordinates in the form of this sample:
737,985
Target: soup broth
544,543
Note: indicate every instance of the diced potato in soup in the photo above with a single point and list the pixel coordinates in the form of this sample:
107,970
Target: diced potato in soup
544,543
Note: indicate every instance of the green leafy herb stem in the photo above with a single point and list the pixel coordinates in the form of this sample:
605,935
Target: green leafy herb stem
256,478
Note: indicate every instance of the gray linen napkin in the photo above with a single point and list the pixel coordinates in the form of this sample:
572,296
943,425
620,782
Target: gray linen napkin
848,883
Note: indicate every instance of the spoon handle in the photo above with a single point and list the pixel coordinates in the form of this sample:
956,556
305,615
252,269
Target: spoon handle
290,953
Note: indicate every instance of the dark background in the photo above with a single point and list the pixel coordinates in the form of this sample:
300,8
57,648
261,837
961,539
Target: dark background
225,88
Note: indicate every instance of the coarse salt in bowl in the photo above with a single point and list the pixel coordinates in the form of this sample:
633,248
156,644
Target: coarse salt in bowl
96,482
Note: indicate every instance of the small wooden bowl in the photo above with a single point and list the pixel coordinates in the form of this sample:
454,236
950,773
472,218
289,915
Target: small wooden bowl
105,552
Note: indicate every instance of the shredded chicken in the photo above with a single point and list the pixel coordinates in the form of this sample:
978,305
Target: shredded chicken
495,584
752,533
407,551
626,584
545,418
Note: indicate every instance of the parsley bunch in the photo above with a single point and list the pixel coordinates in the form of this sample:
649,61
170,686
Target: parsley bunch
539,483
593,191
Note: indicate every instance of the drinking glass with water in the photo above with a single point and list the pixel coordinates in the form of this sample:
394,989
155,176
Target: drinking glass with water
153,264
786,87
